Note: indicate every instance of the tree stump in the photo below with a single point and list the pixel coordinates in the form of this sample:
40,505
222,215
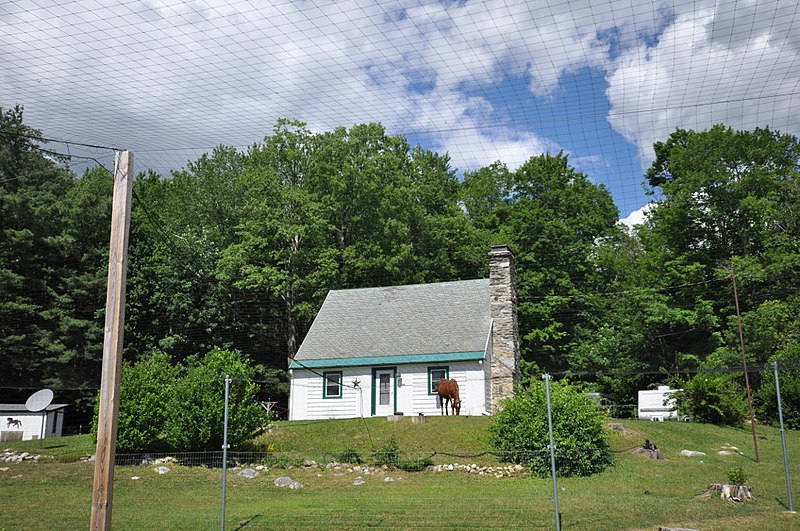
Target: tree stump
735,493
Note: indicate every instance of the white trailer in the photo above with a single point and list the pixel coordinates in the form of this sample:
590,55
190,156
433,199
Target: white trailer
658,404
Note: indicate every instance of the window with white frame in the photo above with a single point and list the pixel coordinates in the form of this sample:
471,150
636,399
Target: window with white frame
332,384
435,375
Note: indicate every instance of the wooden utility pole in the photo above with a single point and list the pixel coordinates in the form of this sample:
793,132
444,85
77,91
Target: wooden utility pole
744,363
102,492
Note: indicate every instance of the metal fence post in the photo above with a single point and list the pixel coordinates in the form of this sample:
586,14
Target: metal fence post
783,436
225,450
552,449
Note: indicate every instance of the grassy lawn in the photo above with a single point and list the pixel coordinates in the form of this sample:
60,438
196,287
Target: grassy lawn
637,493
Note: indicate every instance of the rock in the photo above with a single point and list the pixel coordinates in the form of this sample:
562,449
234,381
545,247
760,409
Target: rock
359,481
295,485
692,453
652,454
284,481
134,478
725,452
247,473
309,463
260,467
147,461
161,469
3,468
388,479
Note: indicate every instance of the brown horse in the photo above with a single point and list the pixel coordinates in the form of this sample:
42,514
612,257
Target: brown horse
448,392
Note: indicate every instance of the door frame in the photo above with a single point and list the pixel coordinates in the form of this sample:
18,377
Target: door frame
375,371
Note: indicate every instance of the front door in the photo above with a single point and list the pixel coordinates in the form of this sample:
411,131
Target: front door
383,392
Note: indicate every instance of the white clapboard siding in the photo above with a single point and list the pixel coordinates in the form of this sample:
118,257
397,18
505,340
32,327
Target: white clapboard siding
306,399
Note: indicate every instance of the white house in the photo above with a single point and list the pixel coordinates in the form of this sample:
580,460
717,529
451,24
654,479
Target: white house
19,424
380,351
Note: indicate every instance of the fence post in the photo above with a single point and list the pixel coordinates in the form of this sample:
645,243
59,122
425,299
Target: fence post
783,437
225,450
552,450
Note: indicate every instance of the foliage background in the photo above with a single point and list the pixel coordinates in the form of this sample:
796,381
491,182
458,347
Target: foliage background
238,249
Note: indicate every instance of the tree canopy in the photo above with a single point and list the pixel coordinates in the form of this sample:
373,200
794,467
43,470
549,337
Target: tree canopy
238,249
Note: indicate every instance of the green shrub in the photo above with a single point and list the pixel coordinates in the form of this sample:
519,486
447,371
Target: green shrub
713,398
146,393
790,390
520,433
196,416
391,456
348,455
165,404
388,454
736,476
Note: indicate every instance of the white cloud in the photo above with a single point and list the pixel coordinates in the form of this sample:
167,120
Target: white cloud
638,216
164,74
728,63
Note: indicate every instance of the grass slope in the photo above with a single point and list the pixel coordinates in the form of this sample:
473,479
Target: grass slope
637,493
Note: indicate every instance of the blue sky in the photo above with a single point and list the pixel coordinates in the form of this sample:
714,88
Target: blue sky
482,81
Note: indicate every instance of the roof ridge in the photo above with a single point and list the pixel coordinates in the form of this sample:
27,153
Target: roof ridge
420,284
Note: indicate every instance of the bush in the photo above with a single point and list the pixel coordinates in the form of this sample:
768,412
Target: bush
520,432
714,399
388,454
348,455
736,476
165,404
196,417
790,390
146,393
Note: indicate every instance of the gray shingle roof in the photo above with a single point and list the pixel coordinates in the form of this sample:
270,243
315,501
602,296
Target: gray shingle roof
445,317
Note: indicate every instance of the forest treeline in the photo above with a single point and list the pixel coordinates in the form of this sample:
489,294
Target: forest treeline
238,249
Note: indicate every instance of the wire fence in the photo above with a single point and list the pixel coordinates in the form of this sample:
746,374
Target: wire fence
345,489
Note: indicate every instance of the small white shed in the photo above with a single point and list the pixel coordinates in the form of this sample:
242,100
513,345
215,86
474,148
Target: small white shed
658,404
19,424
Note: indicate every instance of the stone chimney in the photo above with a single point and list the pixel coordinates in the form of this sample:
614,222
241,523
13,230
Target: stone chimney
504,370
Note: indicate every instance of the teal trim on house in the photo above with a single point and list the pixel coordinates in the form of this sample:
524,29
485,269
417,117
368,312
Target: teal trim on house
431,390
325,377
387,360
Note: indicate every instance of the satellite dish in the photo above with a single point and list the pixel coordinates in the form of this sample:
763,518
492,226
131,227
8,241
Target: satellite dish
39,400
